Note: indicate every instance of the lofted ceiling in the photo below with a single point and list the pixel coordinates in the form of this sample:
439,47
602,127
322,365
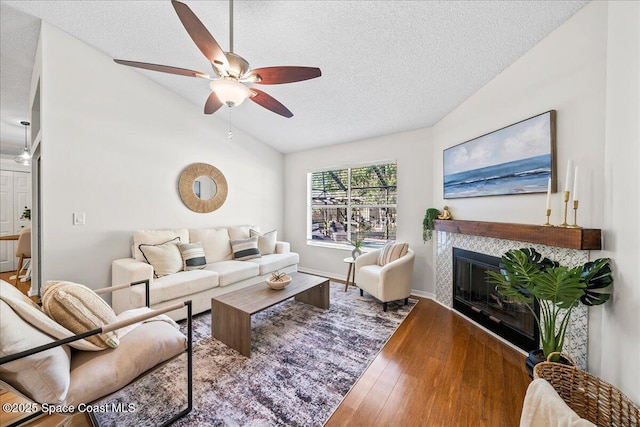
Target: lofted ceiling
387,66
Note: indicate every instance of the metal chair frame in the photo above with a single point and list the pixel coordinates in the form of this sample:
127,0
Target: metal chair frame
112,327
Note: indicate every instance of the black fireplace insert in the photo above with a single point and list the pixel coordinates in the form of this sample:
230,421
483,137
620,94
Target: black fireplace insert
477,299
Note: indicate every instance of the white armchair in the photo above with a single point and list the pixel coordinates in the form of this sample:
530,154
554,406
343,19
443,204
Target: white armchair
387,283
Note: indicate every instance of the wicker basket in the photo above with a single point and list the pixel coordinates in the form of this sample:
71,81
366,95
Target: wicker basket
589,396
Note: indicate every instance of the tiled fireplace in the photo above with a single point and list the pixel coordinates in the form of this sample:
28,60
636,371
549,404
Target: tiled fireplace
576,339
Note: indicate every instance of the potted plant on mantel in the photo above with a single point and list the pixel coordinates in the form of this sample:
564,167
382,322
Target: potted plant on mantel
430,216
525,275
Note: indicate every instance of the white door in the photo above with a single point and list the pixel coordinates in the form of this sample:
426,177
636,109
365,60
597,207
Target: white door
7,224
22,199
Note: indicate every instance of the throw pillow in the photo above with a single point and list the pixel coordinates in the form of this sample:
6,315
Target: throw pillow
241,231
244,249
79,309
32,313
266,241
43,377
391,252
215,243
156,237
192,256
164,257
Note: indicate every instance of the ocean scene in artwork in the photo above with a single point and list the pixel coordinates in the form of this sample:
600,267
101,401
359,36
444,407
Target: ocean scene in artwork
520,176
513,160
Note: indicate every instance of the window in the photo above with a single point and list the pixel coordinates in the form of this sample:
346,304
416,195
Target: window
354,204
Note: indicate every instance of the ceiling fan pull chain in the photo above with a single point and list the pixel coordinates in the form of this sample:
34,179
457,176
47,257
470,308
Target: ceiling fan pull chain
230,133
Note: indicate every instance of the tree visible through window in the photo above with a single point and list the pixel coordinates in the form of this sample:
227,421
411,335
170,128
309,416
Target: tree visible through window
354,204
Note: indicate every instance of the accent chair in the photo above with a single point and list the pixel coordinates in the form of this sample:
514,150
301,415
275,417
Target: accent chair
386,273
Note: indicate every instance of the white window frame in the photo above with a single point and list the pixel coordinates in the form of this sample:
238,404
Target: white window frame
342,245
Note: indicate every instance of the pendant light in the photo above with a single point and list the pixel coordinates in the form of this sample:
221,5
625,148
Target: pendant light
25,157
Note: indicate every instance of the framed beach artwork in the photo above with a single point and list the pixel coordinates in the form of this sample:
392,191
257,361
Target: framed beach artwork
517,159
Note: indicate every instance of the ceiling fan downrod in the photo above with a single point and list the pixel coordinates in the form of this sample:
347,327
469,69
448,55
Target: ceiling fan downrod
231,26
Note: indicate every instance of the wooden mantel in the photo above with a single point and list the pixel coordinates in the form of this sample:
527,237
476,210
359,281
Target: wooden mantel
572,238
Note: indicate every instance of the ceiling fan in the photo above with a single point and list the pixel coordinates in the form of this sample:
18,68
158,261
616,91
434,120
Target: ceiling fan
233,72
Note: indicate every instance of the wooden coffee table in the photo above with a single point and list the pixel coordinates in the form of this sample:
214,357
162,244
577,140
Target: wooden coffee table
231,313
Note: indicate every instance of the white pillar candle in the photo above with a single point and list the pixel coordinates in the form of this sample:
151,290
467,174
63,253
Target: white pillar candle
568,177
575,184
549,194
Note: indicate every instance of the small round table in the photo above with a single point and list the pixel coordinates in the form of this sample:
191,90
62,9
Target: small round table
351,273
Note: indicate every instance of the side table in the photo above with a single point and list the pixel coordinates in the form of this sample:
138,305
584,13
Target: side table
351,272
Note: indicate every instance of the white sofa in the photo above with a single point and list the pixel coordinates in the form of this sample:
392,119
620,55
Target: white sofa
221,274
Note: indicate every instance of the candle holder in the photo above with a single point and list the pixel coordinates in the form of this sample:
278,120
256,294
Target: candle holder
548,224
575,215
566,206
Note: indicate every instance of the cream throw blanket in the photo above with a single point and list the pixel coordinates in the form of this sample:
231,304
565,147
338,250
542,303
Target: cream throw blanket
543,407
32,314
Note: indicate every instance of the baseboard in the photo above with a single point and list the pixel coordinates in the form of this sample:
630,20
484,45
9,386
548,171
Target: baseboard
322,273
423,294
416,292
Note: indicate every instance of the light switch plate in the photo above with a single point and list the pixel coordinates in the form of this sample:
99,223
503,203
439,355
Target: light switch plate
78,218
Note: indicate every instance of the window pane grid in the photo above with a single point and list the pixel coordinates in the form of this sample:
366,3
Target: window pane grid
354,204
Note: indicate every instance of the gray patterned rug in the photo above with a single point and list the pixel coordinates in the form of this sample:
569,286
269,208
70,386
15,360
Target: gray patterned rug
303,362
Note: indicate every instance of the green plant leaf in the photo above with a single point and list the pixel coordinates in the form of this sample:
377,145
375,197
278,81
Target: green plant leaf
560,285
597,276
516,277
430,215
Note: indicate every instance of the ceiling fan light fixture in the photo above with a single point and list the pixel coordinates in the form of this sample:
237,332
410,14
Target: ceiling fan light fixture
229,91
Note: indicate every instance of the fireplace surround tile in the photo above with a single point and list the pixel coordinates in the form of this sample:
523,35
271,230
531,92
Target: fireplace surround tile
577,332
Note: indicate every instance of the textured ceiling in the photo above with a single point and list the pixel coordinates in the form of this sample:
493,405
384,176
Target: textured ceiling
387,66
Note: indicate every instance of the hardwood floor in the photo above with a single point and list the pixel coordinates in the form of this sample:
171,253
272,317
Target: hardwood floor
23,286
438,369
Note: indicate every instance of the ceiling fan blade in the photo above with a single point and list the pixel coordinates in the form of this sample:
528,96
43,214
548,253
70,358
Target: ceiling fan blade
269,102
213,104
164,68
279,75
200,35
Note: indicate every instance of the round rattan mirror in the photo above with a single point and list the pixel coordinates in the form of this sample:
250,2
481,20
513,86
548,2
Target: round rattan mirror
192,182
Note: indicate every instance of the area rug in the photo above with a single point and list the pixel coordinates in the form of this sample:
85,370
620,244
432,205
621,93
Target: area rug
303,362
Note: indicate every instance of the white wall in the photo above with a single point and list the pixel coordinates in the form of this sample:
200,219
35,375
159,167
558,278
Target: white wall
620,344
114,144
412,151
564,72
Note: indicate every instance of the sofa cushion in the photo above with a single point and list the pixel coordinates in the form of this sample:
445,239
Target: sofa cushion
391,252
154,237
164,257
233,271
215,243
79,309
242,231
192,256
266,241
244,249
92,374
174,286
43,377
273,262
